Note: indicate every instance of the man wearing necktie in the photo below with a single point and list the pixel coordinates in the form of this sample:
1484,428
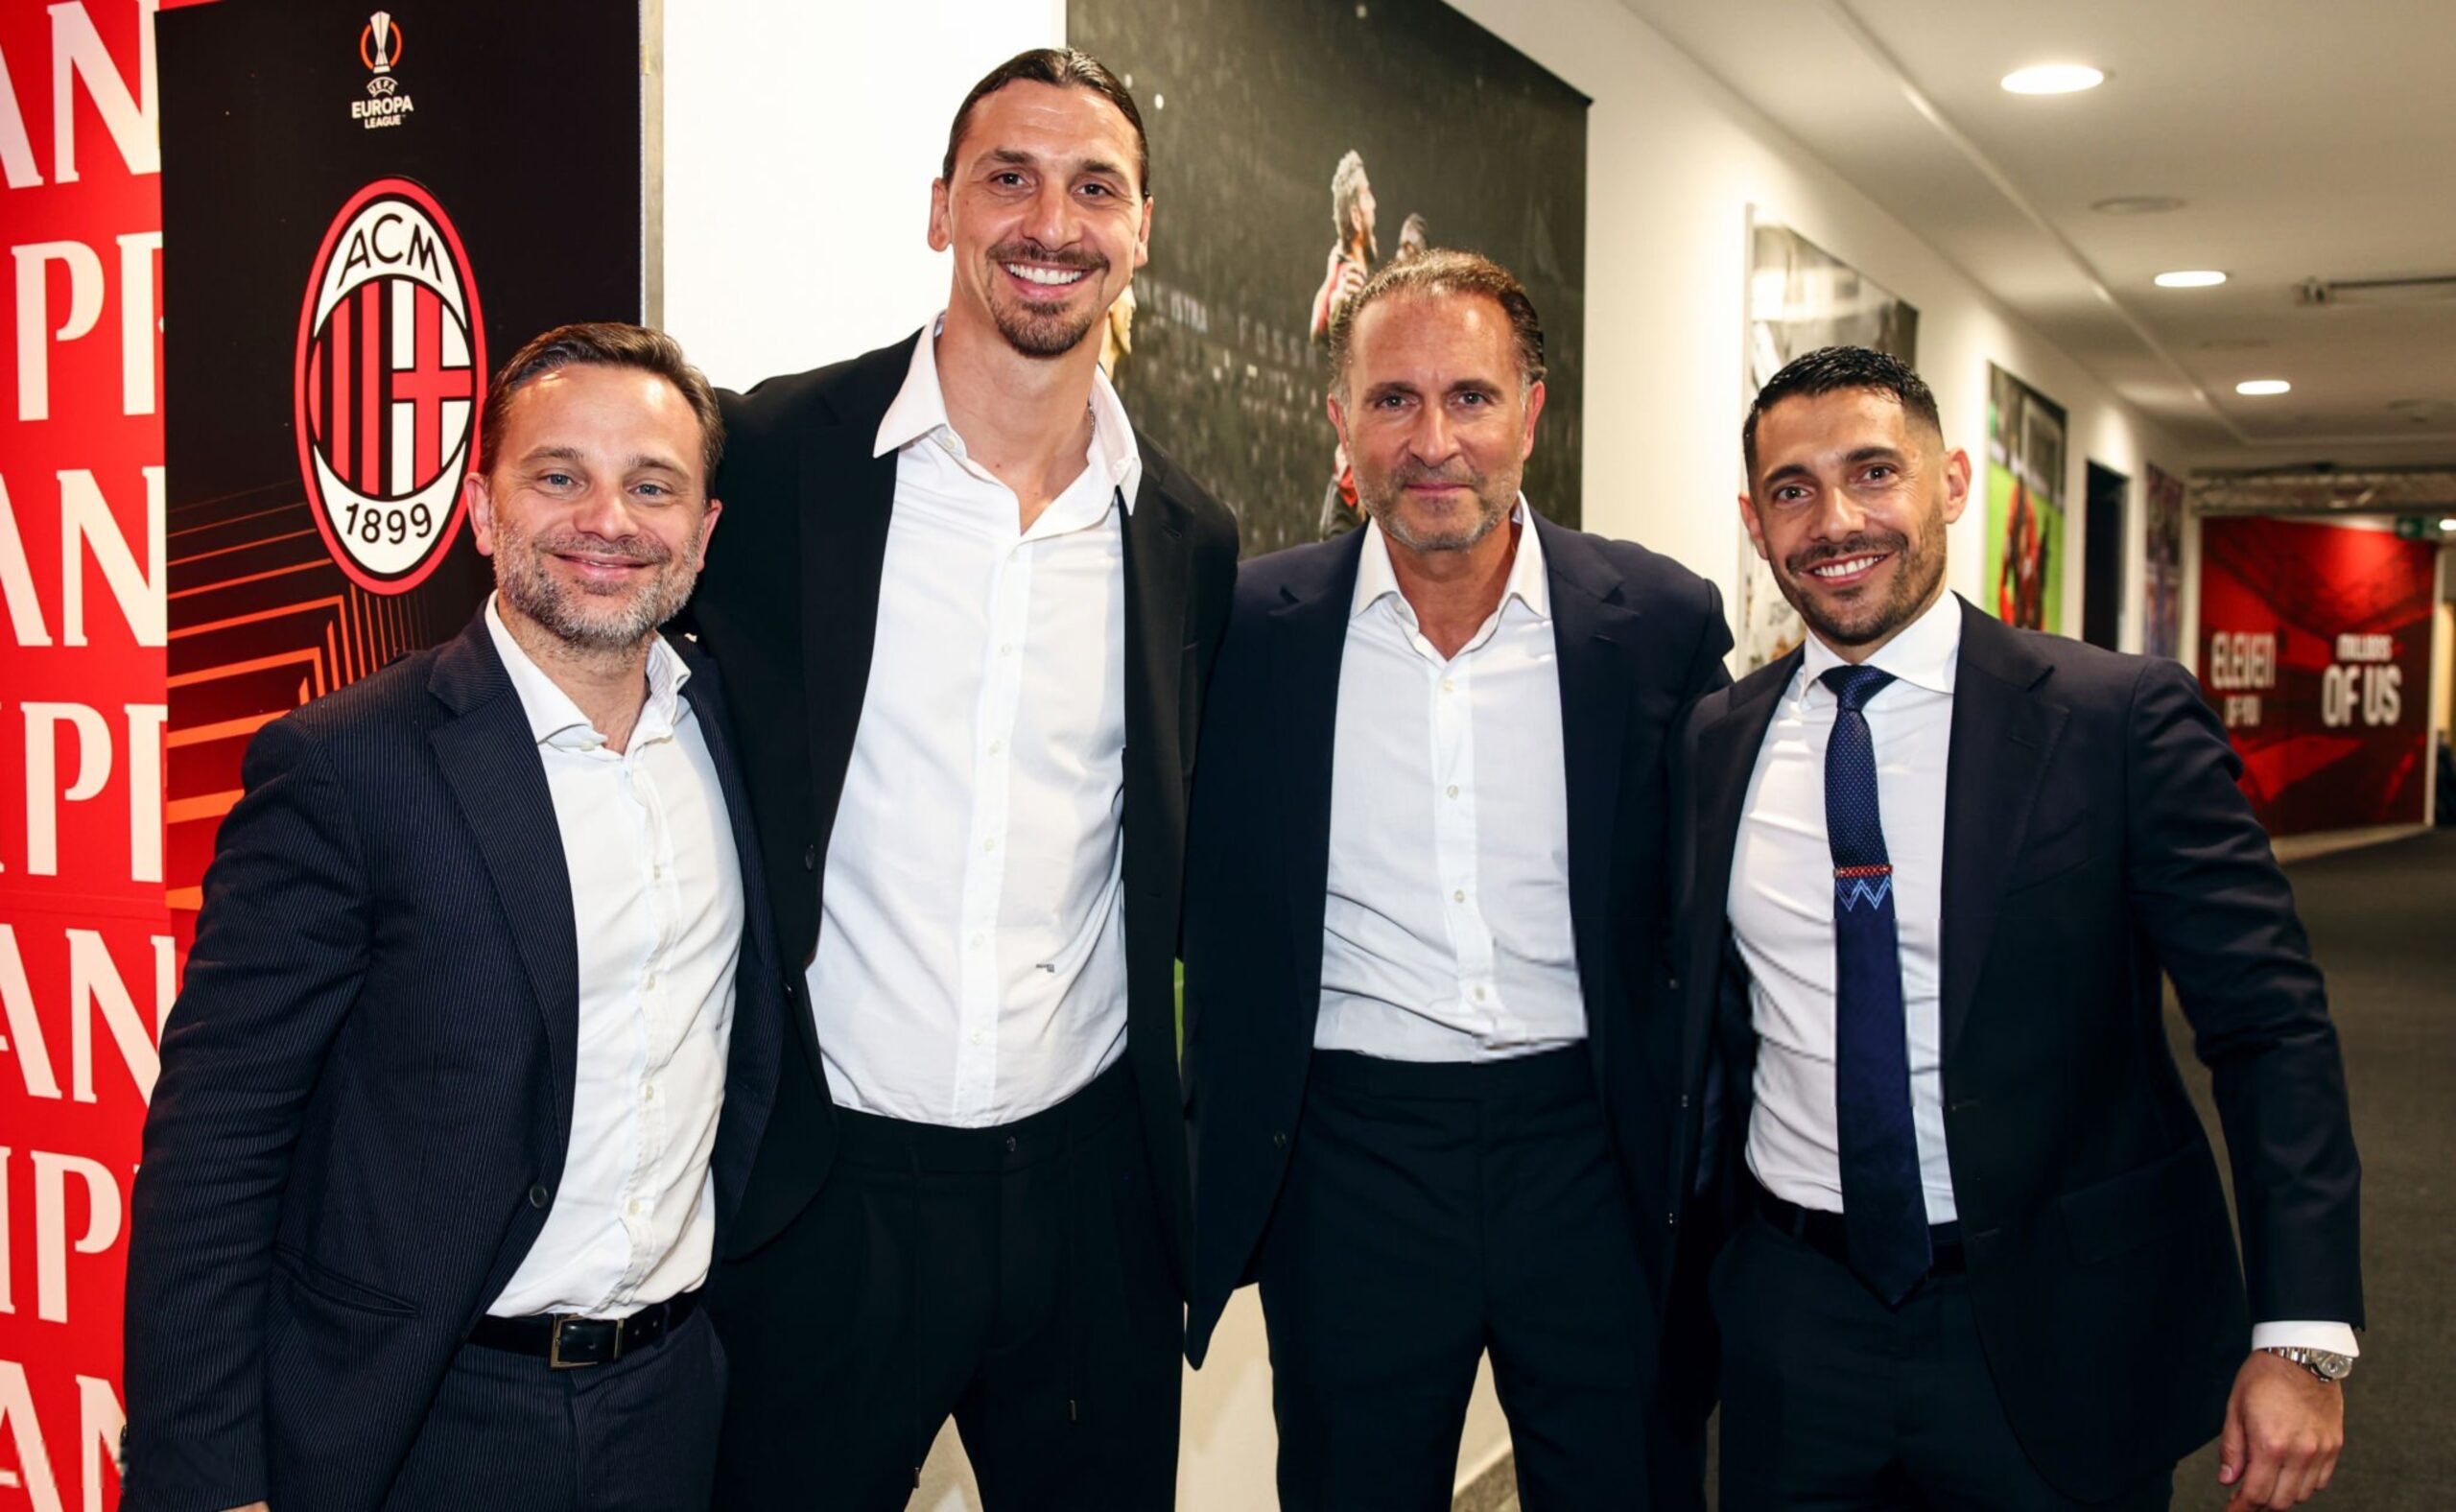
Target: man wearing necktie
1962,1231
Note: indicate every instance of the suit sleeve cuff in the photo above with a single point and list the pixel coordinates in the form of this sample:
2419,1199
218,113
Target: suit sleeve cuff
2337,1338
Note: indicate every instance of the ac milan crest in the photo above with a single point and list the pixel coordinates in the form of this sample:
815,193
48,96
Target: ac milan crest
391,373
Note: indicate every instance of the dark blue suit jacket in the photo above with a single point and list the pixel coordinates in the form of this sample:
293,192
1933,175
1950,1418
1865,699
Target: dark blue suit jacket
367,1084
2095,841
1640,638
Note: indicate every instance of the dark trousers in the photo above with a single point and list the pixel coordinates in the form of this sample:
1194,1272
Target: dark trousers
1434,1212
1015,1277
506,1430
1833,1401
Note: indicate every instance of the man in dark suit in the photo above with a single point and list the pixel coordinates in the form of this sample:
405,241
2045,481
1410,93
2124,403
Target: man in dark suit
966,616
1425,890
436,1162
1981,1256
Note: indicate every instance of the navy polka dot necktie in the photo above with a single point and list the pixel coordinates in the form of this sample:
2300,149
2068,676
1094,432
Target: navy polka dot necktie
1884,1213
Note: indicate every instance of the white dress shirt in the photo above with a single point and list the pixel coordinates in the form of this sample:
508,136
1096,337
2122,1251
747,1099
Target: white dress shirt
1445,934
657,911
971,963
1782,918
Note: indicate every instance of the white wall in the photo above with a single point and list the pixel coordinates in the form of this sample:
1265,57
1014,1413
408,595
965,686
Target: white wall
1674,161
800,141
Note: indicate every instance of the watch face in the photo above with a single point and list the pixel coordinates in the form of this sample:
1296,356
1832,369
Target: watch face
2335,1367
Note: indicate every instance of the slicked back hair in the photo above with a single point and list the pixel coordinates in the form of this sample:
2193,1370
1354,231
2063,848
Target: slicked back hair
1833,369
1440,271
1064,68
603,343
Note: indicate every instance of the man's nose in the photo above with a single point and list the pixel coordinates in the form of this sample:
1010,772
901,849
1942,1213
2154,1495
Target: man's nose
1052,221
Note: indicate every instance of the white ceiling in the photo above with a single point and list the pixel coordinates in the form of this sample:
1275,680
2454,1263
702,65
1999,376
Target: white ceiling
2308,141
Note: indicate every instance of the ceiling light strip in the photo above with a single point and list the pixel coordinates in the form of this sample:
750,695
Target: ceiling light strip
1849,20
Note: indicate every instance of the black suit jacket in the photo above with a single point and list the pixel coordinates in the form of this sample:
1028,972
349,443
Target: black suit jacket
2094,837
1638,638
790,607
367,1084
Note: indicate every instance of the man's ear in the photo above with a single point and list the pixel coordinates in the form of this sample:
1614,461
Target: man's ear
1756,527
942,234
1956,484
481,502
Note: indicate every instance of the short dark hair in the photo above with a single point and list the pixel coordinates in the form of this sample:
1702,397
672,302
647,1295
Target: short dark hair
1832,369
1065,68
603,343
1443,271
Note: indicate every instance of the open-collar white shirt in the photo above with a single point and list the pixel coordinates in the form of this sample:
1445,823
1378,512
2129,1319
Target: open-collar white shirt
658,916
1446,932
971,961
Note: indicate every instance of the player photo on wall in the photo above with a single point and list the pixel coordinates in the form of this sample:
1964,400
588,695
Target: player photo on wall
1284,174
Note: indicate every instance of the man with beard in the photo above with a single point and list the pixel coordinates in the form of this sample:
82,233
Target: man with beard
1979,1253
966,621
480,1023
1425,875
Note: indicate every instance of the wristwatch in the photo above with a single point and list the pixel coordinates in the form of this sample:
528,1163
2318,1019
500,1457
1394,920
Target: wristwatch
2327,1364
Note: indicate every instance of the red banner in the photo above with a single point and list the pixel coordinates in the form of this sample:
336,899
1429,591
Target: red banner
2315,649
86,958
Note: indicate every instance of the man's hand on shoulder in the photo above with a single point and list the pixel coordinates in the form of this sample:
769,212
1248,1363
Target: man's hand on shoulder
2284,1428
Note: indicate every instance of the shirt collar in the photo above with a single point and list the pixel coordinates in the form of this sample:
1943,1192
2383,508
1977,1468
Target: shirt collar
1377,579
1925,654
919,412
555,720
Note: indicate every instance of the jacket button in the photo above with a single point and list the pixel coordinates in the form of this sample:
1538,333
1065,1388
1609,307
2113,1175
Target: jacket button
809,858
1672,982
790,990
1684,1099
1671,1219
1279,1139
537,1196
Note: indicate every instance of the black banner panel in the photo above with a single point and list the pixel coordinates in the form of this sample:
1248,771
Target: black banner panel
363,211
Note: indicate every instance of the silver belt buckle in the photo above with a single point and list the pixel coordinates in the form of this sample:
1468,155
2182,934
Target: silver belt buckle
554,1360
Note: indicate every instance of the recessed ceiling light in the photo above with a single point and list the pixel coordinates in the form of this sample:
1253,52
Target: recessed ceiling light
2192,279
2138,204
2053,78
2258,387
2447,525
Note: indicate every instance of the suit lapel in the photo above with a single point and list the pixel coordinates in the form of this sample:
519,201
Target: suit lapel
1156,571
1723,762
2004,740
1308,638
1594,633
489,759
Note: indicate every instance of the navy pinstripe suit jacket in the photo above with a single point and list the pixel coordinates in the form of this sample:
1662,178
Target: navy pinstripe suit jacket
367,1084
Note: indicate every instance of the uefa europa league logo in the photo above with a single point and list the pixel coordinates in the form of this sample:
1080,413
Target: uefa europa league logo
383,43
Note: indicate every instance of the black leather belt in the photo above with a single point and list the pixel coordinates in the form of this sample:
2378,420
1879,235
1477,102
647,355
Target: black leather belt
1823,1232
567,1341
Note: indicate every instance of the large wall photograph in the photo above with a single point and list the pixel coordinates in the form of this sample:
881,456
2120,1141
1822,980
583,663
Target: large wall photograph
2025,436
1282,171
1802,297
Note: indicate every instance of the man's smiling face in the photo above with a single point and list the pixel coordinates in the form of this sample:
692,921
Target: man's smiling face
1045,214
1848,506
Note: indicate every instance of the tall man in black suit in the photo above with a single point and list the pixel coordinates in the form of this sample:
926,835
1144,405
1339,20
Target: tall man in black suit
1981,1255
966,620
1425,890
437,1165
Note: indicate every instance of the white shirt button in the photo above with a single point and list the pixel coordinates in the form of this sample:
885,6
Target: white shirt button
1446,685
1454,790
1460,896
632,1207
978,939
997,747
990,844
976,1037
648,1092
1480,994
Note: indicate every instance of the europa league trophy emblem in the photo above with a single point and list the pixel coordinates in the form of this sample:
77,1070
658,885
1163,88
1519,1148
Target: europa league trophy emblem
380,25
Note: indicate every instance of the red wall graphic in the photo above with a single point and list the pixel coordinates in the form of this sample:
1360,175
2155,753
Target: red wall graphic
86,945
2315,649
